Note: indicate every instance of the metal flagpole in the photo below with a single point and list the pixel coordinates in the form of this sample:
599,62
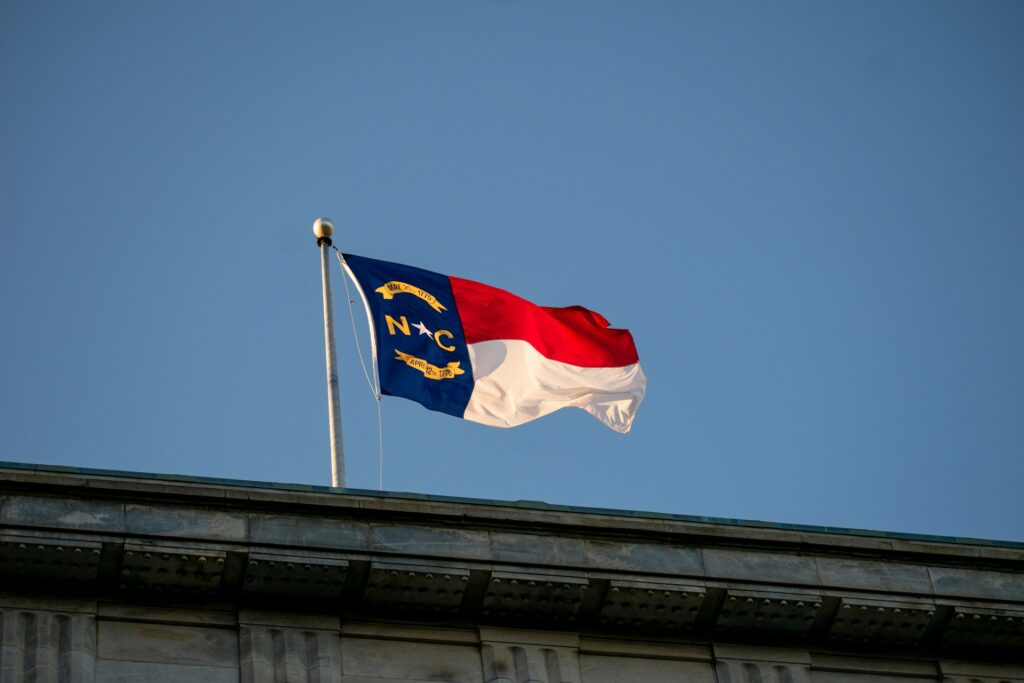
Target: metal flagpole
323,228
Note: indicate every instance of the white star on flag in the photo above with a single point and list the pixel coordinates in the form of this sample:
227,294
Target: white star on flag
423,329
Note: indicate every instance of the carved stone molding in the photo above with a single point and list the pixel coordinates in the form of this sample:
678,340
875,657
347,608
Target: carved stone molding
46,647
737,664
270,654
536,657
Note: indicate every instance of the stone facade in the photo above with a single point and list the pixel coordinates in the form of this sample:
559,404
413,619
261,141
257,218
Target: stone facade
117,578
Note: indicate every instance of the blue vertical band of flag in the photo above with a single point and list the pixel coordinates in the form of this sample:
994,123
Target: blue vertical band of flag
448,395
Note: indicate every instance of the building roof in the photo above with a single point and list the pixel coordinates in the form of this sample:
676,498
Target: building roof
534,505
124,537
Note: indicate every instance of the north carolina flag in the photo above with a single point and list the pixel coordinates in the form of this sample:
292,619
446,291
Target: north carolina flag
485,355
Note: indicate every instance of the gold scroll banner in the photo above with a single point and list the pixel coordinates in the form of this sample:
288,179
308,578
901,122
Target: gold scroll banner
389,289
430,371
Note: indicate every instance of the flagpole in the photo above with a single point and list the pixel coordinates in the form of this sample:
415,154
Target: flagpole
323,228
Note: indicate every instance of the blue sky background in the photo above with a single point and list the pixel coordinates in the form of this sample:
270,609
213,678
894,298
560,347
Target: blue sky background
810,214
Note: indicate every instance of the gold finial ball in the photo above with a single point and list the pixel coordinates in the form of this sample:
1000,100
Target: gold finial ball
323,227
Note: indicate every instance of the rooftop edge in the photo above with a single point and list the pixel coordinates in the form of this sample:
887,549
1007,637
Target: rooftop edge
519,504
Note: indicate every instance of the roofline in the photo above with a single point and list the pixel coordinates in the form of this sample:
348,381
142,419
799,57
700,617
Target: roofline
533,505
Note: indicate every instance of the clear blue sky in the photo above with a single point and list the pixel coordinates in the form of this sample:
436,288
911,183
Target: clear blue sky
810,214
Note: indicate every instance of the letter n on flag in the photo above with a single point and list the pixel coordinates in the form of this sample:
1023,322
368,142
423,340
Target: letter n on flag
485,355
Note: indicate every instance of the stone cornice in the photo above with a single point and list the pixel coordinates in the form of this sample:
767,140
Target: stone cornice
364,556
513,514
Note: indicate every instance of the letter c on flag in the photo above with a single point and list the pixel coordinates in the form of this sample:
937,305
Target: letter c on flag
446,333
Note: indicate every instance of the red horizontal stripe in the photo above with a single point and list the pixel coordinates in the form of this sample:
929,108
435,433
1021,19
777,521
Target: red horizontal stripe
569,335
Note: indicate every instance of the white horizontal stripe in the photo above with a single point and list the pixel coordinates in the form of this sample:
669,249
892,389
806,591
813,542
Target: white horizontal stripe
514,383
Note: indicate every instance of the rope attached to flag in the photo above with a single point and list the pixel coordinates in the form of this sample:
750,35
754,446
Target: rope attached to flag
375,383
